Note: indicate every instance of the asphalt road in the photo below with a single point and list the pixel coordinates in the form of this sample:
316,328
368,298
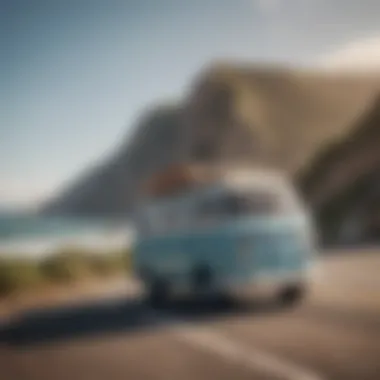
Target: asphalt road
335,334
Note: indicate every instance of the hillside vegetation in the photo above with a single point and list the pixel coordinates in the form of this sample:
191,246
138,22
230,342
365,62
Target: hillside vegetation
63,267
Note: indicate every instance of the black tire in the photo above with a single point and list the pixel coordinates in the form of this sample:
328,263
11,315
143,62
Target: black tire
291,295
202,278
158,293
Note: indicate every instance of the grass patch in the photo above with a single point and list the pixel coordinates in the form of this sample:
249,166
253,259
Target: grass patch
18,274
66,266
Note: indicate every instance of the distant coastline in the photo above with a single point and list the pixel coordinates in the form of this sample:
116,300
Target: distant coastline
30,234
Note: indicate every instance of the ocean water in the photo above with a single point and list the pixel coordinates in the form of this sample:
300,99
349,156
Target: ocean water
33,235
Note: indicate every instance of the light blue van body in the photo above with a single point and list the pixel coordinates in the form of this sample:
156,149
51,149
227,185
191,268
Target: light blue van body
243,254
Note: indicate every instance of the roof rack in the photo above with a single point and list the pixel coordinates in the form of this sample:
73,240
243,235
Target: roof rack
183,177
178,178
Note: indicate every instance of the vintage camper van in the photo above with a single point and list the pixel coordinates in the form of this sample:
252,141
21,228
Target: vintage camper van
227,230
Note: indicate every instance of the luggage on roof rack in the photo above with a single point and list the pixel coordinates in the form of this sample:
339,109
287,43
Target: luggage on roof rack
182,177
177,178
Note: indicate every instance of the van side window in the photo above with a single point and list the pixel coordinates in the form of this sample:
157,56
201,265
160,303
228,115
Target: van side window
169,220
208,211
214,209
154,221
220,206
143,223
238,204
261,202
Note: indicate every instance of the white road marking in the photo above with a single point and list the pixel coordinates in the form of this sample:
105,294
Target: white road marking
216,343
254,358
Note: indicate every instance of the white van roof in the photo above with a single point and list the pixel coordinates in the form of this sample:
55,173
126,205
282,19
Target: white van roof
252,177
180,178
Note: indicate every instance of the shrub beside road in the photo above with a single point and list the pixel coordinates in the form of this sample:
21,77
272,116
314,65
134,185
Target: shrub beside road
66,266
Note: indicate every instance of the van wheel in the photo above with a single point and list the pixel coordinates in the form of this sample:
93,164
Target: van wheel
158,293
202,278
291,295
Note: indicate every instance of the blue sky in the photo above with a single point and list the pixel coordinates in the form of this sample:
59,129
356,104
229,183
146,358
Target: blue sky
75,74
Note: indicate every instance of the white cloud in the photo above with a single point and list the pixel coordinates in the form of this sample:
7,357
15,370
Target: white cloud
359,55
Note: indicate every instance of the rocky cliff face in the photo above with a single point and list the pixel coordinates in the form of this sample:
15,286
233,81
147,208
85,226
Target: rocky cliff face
111,189
278,116
287,118
343,182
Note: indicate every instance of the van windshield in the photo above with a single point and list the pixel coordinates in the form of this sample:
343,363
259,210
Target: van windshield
248,202
258,202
